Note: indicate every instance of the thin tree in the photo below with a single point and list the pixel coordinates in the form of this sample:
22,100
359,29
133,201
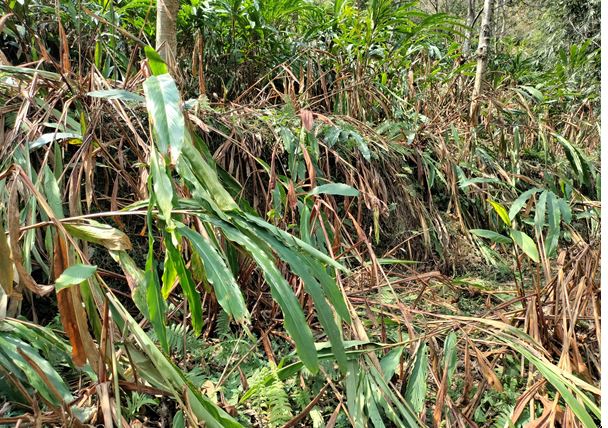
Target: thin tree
466,47
483,52
166,29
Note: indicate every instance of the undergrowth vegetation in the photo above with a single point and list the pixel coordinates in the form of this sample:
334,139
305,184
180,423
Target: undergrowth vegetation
298,223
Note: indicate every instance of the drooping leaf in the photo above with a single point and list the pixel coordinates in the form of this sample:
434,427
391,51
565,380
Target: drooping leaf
527,244
155,61
73,275
554,220
193,167
539,215
117,94
155,304
501,211
52,193
171,376
565,210
163,104
188,286
45,139
302,269
136,278
169,274
491,235
99,233
450,356
295,322
227,291
371,406
292,240
521,201
23,356
415,391
163,189
355,397
296,257
572,155
6,264
340,189
566,383
538,95
463,183
156,307
361,145
30,71
390,361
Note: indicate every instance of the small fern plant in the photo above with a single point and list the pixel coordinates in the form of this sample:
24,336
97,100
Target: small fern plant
270,401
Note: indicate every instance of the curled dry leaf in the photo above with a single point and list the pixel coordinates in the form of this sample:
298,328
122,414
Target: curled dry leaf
3,20
67,300
486,370
307,119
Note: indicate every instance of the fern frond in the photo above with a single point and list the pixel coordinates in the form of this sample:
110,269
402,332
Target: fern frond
222,325
279,409
503,419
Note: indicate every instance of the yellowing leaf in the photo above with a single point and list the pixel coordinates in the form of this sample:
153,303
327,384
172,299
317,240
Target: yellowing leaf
501,211
99,233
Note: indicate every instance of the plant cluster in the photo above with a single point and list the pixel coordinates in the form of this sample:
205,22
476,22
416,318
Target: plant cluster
297,224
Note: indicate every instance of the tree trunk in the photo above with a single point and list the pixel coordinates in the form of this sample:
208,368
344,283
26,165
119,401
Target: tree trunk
166,29
485,34
466,47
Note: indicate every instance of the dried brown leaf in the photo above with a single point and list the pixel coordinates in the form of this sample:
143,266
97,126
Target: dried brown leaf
64,49
6,264
486,369
66,304
307,119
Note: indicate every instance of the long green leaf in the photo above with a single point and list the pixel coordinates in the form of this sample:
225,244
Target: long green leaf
390,361
201,406
339,189
73,275
301,259
554,220
312,287
117,94
295,322
11,346
292,240
227,291
195,169
415,390
154,300
526,243
187,284
539,215
163,189
572,155
163,104
491,235
450,357
521,201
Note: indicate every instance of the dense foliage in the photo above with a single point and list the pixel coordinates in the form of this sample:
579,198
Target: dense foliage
298,224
